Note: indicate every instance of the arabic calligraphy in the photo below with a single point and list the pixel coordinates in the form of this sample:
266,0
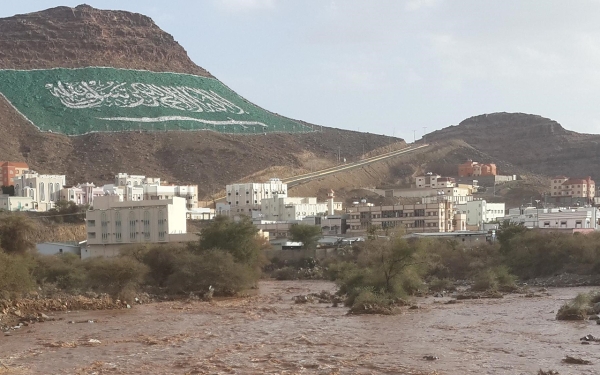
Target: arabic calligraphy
94,94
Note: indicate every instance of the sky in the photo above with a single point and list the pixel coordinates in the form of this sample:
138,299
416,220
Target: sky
393,67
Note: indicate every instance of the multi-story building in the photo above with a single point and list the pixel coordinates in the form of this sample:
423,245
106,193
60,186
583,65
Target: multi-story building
113,223
245,198
138,187
278,208
434,217
10,170
473,168
479,212
43,189
82,194
562,186
434,181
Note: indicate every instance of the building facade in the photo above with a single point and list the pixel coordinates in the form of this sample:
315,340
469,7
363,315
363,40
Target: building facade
82,194
562,186
9,203
44,190
434,181
278,208
473,168
113,223
434,217
245,198
479,212
10,169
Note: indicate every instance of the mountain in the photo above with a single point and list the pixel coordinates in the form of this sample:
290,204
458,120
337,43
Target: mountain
90,93
529,142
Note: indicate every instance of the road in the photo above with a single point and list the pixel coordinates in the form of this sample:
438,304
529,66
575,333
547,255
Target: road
300,179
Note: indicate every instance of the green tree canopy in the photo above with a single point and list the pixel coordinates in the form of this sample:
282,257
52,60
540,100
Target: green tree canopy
307,234
239,238
15,234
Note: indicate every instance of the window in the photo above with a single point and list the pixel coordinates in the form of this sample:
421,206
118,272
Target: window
91,235
104,226
118,229
50,190
91,223
147,225
42,192
56,186
132,234
161,226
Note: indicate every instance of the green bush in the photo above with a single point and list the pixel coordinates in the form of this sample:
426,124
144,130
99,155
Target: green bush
216,268
120,277
162,262
368,301
15,275
577,309
65,271
495,279
440,285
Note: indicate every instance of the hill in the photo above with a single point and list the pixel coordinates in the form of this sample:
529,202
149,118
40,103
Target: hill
91,129
529,142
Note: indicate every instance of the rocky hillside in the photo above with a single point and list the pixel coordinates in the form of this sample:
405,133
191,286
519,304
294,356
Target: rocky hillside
529,142
84,36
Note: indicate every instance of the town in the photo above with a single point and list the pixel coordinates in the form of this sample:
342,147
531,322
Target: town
139,209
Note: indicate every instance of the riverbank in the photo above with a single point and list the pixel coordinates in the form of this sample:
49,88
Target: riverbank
271,334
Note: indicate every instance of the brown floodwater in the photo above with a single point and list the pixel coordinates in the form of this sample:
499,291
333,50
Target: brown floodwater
269,334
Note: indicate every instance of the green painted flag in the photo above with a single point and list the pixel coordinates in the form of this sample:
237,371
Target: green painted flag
84,100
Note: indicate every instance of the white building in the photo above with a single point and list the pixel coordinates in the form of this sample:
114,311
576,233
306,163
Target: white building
569,218
480,212
138,187
295,208
44,190
9,203
247,197
57,248
82,194
113,223
433,181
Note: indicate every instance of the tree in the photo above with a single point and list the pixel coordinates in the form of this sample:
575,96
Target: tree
506,232
68,212
307,234
15,232
239,238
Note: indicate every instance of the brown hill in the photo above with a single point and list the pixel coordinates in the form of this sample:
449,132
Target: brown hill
529,142
84,36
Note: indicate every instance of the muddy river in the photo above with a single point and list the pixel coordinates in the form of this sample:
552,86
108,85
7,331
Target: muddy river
269,334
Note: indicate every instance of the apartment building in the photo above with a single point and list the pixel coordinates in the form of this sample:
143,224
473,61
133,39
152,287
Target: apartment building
473,168
245,198
562,186
10,170
113,223
44,190
434,217
434,181
587,217
278,208
479,212
138,187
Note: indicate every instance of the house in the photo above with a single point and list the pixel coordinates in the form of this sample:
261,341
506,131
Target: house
44,190
9,203
113,223
245,198
57,248
478,212
82,194
473,168
434,181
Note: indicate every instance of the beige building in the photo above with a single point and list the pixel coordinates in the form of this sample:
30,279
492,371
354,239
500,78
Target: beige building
245,198
295,208
562,186
434,217
434,181
113,223
43,189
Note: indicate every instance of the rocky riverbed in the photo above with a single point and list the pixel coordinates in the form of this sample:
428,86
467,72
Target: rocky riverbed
272,334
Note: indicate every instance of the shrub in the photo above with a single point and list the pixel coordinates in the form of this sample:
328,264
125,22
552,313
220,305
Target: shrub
369,302
286,273
216,268
162,262
440,285
494,279
120,277
65,271
15,275
577,309
485,280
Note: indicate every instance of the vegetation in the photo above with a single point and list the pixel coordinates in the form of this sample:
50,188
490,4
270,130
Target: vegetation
67,212
307,234
580,307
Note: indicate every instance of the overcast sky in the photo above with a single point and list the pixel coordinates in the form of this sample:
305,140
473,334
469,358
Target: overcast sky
387,66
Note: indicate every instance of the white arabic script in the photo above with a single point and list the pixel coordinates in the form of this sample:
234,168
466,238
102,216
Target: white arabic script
94,94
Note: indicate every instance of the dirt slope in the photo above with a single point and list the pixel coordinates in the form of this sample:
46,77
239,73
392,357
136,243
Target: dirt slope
529,142
84,36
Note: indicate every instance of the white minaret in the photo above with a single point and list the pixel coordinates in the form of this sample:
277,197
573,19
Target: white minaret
330,197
